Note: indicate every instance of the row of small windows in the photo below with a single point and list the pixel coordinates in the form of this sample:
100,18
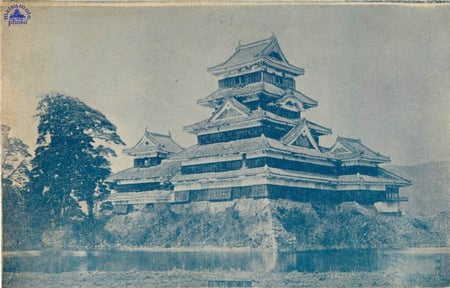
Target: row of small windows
279,81
240,80
277,163
254,77
257,162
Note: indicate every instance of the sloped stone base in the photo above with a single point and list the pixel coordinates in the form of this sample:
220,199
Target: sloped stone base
266,224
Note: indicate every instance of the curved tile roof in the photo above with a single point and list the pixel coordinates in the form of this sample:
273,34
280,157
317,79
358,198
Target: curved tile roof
266,49
356,150
164,171
154,142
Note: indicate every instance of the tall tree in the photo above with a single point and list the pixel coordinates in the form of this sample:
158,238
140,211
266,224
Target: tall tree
71,159
15,175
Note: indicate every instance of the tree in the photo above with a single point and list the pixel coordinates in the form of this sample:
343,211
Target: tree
71,163
15,175
14,156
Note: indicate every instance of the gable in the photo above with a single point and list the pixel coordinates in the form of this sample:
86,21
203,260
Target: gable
300,136
302,141
145,142
275,55
228,113
231,109
338,148
273,50
348,148
151,143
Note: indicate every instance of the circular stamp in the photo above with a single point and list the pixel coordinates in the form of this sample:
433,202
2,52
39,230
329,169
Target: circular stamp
17,14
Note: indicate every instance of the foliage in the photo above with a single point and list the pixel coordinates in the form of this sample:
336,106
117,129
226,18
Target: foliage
15,173
14,156
71,162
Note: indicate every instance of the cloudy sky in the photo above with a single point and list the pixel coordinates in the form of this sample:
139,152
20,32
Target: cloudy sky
380,73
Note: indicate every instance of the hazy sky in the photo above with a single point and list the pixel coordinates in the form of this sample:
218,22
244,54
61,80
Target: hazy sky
380,73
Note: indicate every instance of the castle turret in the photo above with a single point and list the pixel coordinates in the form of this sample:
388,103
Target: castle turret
152,148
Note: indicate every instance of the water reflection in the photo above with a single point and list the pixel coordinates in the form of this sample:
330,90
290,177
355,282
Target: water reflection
325,261
317,261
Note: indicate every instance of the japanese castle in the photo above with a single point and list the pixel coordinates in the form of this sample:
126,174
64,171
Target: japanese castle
256,144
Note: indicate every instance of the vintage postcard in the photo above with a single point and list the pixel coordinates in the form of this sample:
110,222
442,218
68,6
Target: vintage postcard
213,144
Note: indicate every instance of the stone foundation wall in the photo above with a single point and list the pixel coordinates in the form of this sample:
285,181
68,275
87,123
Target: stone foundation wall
267,224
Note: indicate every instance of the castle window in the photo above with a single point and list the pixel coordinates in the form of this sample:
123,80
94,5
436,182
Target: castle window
279,81
240,80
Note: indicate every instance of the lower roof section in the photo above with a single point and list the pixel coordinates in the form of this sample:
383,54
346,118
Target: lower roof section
247,145
170,170
277,176
161,173
252,89
253,119
349,150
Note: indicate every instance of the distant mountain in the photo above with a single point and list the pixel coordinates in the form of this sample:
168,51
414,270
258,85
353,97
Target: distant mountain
430,193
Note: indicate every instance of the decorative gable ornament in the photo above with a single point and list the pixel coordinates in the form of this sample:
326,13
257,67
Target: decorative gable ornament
290,102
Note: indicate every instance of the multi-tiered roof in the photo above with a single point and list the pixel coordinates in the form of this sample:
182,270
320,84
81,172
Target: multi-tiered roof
257,143
256,96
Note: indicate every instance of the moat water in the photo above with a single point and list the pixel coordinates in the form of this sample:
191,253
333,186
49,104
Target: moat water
435,262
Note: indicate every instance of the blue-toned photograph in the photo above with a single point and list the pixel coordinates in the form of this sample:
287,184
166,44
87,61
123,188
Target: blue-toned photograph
292,145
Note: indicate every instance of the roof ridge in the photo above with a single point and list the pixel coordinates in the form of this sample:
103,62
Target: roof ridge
256,43
157,134
238,104
351,139
293,132
314,123
238,48
373,151
392,174
377,154
265,139
304,95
